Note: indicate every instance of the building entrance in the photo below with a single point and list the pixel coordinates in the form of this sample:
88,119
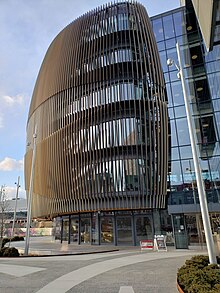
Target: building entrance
124,231
143,228
116,228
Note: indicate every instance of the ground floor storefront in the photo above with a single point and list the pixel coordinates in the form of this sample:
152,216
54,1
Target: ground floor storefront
130,227
115,227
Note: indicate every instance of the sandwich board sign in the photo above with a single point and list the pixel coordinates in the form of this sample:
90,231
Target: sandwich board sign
146,244
160,243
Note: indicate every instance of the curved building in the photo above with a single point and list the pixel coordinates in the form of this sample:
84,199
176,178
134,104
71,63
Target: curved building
100,108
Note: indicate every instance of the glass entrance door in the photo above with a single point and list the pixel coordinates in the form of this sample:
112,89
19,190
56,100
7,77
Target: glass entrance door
124,231
144,228
180,233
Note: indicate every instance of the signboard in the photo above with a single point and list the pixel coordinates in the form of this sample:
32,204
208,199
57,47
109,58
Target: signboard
146,244
159,243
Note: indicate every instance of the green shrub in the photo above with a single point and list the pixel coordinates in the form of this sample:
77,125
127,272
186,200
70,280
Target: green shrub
197,276
17,238
2,250
4,241
10,252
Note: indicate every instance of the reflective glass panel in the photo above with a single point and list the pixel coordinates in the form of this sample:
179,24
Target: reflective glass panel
182,131
107,235
124,230
74,230
85,230
168,26
143,228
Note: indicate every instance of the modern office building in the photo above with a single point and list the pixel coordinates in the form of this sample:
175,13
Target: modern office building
100,108
203,87
97,204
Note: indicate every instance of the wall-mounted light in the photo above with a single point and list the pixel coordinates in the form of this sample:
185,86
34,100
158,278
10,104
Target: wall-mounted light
194,57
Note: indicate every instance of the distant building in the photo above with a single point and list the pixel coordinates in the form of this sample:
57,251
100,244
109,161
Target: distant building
21,214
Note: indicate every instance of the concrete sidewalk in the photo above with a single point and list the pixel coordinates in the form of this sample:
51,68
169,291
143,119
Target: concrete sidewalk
127,270
47,246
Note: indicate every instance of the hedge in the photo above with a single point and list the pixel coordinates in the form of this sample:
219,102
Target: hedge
197,276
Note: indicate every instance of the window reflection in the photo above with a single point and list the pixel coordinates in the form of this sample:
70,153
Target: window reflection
175,176
107,230
158,29
183,131
173,133
168,26
179,23
116,176
121,132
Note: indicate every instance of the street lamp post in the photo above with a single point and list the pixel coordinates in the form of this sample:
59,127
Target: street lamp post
27,238
15,210
198,173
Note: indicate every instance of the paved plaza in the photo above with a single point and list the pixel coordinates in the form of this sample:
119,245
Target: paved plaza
125,270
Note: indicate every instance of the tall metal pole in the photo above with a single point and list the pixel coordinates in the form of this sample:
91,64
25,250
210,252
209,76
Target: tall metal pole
200,183
15,211
27,238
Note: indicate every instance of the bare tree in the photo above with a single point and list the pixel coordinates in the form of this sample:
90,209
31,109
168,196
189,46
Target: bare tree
3,212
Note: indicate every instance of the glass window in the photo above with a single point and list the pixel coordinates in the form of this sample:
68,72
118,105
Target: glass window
107,230
172,53
158,29
168,26
65,236
183,131
180,111
163,60
169,94
171,43
171,113
124,230
167,77
143,228
179,23
58,225
186,152
74,230
216,105
161,46
174,154
95,228
177,93
175,175
85,230
173,133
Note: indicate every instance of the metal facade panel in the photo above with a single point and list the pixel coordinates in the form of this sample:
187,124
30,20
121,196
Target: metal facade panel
101,110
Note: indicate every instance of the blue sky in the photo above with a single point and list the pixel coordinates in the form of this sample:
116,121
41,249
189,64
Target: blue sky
27,27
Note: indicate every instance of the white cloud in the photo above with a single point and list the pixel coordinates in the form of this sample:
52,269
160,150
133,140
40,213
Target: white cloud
11,192
13,100
9,164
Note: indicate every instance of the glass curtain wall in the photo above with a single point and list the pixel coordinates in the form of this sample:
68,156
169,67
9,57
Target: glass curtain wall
202,71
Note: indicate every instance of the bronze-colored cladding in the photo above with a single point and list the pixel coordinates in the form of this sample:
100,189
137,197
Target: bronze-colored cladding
101,113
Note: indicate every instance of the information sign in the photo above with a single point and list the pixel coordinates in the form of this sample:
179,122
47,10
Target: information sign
146,244
160,243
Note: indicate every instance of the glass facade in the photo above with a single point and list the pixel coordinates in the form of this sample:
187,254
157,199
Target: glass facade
202,71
